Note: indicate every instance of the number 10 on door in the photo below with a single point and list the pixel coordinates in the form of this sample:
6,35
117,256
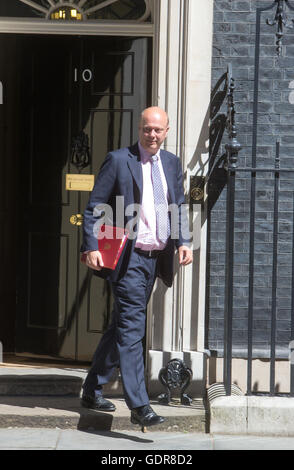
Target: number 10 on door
86,75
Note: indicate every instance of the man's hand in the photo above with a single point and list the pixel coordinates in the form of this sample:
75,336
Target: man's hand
185,255
94,260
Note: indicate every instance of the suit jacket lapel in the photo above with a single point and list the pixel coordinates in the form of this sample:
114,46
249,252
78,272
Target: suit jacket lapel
168,171
135,167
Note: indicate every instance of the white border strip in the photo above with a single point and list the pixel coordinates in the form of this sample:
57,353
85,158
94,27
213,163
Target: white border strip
93,28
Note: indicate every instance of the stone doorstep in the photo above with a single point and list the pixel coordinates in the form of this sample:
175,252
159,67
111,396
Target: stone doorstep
49,397
67,413
41,381
11,385
49,385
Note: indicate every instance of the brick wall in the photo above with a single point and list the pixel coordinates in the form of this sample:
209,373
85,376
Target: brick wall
235,42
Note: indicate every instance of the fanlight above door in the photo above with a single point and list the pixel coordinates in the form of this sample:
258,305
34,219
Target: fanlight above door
78,10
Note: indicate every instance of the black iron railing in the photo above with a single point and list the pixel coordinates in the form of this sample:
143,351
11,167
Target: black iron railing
274,173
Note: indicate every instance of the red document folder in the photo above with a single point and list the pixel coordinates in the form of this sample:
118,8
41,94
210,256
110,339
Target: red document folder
111,241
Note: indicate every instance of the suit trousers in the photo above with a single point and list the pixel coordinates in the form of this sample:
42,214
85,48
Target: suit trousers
121,345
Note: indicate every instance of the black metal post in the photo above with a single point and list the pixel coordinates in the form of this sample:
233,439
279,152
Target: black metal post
291,345
251,283
252,210
274,272
228,311
232,151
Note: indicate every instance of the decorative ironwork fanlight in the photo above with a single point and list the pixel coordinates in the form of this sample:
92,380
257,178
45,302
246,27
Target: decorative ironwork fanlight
78,10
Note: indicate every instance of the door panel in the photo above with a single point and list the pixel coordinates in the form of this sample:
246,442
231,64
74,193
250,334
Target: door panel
10,126
115,97
48,247
66,85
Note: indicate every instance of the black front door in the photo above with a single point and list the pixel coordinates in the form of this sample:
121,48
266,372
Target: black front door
68,88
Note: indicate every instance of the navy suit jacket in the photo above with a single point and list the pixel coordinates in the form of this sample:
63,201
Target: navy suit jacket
121,175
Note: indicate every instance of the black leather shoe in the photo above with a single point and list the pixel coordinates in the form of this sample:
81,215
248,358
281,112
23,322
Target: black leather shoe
145,416
97,403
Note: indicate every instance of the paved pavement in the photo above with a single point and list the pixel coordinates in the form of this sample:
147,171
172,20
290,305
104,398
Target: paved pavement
59,423
104,441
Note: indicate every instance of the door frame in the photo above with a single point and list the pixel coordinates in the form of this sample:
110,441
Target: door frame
88,28
94,28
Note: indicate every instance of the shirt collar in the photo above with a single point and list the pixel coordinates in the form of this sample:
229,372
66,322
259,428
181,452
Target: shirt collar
145,155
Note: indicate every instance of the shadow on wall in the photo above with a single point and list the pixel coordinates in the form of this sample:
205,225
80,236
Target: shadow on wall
215,174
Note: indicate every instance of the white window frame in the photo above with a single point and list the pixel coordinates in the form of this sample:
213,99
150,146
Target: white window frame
89,27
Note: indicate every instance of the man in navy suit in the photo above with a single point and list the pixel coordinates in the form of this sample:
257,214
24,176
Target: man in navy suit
141,176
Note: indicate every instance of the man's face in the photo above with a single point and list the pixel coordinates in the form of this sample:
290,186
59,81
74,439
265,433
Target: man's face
153,130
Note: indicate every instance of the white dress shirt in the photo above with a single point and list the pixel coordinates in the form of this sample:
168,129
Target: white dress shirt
146,237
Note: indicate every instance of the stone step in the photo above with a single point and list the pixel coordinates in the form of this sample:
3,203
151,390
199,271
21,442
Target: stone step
66,412
18,381
50,398
36,385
